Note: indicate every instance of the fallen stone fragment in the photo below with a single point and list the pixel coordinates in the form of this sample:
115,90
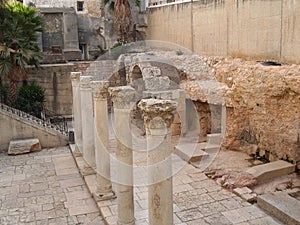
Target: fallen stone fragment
17,147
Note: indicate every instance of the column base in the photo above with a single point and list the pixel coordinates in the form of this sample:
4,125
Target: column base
87,170
104,196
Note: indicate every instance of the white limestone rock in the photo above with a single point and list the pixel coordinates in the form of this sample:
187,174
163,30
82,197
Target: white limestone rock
17,147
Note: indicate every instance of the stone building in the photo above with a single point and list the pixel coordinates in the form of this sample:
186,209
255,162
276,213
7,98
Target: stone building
80,30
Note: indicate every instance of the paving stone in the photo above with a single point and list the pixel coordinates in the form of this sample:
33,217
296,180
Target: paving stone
217,219
244,214
189,215
281,205
211,208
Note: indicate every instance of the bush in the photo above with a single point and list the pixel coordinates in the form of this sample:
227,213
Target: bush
31,99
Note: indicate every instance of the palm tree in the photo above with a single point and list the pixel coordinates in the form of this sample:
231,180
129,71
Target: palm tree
122,14
19,26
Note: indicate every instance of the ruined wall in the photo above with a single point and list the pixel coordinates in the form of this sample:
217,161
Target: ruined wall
263,108
261,29
55,80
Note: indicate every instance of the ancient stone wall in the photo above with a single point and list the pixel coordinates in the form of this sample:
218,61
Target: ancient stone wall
261,29
263,107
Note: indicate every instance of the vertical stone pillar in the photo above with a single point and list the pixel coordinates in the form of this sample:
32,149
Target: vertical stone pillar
88,146
75,78
158,117
101,135
181,109
122,98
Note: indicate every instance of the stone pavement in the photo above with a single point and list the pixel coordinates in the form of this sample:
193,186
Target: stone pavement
44,188
197,201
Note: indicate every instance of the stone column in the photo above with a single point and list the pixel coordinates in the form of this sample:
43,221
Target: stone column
122,98
88,146
101,135
158,117
75,78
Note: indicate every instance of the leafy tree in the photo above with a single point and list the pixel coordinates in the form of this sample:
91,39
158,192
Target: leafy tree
19,27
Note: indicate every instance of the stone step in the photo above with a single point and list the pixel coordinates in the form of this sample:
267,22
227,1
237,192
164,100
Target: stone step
205,146
271,170
282,206
214,138
190,152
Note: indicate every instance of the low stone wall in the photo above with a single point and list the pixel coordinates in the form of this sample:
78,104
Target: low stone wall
13,128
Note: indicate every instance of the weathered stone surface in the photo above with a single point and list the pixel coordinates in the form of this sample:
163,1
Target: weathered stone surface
246,194
190,152
157,83
24,146
263,105
232,179
282,206
271,170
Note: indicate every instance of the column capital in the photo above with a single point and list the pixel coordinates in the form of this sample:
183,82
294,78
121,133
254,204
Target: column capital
85,81
75,76
100,89
122,96
158,113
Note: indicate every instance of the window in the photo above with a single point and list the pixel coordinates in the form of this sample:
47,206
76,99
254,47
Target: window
79,5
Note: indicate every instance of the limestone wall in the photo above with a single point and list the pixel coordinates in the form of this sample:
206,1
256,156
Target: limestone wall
16,128
55,80
261,29
263,108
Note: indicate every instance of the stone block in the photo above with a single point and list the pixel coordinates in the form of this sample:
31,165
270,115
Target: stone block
215,138
282,206
271,170
157,83
17,147
190,152
246,194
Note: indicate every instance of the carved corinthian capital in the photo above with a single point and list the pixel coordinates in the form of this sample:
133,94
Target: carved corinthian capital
122,96
100,89
158,113
85,82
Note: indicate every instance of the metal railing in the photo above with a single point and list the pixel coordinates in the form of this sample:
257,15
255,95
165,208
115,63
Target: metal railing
55,123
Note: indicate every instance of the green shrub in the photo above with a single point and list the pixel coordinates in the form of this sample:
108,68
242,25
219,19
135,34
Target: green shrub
31,98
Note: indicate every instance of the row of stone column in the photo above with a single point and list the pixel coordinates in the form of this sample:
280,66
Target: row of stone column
92,140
